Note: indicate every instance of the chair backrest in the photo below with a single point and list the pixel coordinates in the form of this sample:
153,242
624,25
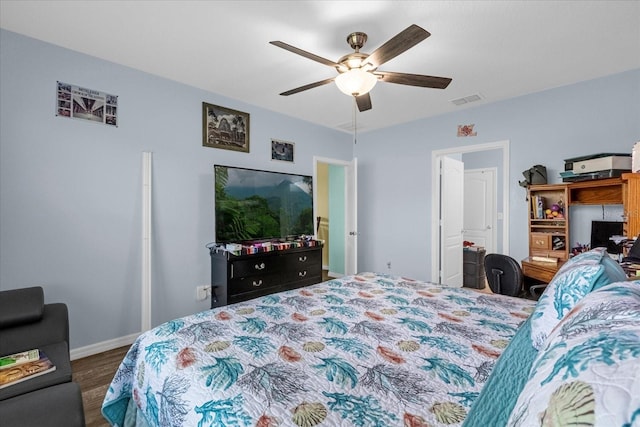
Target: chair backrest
634,252
504,274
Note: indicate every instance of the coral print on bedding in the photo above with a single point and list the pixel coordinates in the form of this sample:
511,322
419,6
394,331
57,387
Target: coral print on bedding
575,279
588,371
365,350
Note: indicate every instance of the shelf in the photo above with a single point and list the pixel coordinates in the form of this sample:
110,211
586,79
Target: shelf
596,192
548,236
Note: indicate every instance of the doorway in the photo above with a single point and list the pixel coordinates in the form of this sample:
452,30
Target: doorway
335,210
439,218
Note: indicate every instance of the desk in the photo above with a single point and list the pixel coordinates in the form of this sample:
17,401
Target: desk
542,271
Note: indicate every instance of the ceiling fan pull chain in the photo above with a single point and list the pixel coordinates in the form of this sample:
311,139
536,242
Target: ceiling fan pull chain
355,122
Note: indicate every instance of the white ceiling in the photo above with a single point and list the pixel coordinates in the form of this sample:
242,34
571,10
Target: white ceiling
498,49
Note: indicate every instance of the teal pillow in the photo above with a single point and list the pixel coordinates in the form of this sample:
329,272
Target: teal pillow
613,270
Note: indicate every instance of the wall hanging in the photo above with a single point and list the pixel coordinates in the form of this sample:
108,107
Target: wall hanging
86,104
225,128
282,150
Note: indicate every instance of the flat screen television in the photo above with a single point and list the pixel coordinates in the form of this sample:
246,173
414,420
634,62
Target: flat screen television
601,231
258,205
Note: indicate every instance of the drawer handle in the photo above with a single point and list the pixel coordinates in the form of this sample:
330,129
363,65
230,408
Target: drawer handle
260,266
540,242
302,258
302,273
258,283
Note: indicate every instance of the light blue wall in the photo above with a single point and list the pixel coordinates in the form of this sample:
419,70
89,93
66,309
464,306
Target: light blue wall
394,164
337,230
70,207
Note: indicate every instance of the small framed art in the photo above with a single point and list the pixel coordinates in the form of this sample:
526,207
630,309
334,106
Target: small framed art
282,150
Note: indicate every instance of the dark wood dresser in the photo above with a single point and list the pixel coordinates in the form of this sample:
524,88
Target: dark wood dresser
236,278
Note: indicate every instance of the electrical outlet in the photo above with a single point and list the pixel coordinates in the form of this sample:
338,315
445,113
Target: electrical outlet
203,292
389,265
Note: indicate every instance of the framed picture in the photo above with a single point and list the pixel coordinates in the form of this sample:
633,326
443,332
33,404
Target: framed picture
282,150
225,128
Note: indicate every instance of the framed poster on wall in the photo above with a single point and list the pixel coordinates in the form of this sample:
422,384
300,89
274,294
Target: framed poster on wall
86,104
225,128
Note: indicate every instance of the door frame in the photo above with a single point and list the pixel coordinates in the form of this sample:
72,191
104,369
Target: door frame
436,155
353,214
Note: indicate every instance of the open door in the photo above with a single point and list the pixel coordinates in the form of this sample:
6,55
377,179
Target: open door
502,208
335,207
351,217
451,202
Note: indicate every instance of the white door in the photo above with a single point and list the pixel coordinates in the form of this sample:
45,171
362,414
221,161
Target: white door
351,217
480,208
451,221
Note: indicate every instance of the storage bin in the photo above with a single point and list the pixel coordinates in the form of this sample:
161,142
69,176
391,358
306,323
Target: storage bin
473,275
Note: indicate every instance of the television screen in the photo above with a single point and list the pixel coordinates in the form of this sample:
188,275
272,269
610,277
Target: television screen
254,205
601,231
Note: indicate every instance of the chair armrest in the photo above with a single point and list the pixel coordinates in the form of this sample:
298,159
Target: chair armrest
51,329
19,306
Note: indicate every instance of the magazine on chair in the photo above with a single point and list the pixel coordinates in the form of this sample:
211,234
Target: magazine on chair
25,371
12,360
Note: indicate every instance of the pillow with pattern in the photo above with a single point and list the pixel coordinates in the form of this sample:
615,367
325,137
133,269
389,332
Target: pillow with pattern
589,370
575,279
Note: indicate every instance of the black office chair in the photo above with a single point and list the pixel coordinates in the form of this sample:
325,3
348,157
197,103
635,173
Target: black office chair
503,274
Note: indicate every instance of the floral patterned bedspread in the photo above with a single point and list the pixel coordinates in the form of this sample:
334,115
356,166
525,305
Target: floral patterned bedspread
364,350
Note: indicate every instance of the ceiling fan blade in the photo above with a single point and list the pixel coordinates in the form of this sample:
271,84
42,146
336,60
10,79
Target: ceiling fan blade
363,102
304,53
414,79
307,87
401,42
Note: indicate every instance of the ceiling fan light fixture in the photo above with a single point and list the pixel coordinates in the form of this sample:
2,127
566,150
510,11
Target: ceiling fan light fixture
356,82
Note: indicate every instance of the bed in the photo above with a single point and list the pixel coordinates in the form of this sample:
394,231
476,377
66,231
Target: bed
363,350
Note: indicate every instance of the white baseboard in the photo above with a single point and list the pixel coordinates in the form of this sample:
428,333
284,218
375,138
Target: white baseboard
336,275
90,350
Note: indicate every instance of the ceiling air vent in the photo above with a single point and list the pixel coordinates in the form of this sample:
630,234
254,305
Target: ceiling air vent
467,99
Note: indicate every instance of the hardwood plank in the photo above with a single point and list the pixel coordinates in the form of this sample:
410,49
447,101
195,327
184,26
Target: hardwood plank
94,374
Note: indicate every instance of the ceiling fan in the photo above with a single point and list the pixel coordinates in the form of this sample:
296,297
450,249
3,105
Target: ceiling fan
358,72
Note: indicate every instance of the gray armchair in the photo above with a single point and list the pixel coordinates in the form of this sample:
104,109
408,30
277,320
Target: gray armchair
52,399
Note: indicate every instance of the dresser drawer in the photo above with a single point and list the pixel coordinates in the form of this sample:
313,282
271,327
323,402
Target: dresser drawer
540,241
254,282
303,265
254,266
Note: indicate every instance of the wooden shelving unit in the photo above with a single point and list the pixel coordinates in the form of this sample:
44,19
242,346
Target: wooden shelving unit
624,190
549,237
612,191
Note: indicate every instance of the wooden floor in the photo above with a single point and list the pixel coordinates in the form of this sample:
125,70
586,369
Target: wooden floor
94,374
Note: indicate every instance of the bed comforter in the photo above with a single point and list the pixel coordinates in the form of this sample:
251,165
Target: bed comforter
364,350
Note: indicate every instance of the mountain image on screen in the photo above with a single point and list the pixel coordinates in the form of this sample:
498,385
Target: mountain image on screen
255,205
